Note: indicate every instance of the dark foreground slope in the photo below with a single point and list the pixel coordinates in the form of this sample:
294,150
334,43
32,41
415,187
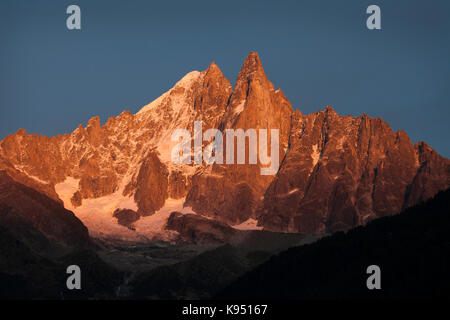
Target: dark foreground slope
412,249
39,239
206,274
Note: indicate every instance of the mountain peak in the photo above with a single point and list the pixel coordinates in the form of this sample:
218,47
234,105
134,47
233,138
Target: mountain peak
253,57
94,122
21,132
212,97
213,67
252,67
255,93
214,72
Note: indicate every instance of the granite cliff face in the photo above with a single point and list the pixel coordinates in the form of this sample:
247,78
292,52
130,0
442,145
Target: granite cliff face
231,192
341,172
335,171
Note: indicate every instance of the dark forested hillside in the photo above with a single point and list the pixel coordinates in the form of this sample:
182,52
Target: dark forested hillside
39,239
206,274
412,250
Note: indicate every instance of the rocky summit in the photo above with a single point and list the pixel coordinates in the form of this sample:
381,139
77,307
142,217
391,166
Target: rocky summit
336,172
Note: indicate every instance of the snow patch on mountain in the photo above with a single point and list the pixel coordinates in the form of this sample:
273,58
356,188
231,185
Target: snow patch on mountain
97,215
66,189
154,226
37,179
315,154
185,82
250,224
240,107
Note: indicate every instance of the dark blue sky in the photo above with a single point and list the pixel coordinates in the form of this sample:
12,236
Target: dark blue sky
317,52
